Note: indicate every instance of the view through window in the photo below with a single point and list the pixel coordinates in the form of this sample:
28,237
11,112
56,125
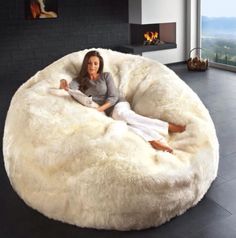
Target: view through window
218,34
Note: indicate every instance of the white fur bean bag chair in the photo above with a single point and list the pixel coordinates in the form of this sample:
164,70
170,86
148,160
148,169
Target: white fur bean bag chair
75,164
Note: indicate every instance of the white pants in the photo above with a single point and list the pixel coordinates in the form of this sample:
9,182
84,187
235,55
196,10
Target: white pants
148,128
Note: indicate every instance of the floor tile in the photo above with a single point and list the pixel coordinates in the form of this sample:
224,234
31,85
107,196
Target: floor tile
227,144
227,167
195,219
218,181
223,229
224,195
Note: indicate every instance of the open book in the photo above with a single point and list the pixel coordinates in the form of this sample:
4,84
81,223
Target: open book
77,95
82,98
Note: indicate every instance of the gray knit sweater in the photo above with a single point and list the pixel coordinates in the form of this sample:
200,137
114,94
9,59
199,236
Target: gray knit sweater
102,90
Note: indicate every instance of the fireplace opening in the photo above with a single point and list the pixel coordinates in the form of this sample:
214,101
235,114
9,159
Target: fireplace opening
151,37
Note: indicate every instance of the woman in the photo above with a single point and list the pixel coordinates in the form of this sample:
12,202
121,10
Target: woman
92,81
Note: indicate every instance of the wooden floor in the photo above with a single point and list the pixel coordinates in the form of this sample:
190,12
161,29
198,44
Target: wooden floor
213,217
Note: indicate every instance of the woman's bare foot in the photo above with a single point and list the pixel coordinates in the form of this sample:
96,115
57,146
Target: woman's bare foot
63,84
159,146
176,128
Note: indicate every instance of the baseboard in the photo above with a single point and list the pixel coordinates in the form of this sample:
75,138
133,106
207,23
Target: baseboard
223,66
176,63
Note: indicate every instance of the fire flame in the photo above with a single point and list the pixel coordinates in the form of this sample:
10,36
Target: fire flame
150,37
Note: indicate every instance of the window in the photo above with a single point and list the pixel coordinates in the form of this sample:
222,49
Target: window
218,31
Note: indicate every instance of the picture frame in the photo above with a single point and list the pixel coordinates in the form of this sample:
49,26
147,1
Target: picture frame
41,9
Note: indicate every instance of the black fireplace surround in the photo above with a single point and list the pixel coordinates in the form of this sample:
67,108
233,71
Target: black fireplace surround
166,34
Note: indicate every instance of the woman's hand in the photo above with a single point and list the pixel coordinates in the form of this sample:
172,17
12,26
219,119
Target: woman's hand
105,106
100,109
64,85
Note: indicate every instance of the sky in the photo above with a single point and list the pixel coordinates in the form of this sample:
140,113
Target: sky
219,8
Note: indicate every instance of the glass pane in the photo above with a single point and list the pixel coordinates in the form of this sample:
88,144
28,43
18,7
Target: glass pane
219,31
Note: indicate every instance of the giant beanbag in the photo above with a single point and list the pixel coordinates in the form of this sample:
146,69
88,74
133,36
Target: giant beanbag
75,164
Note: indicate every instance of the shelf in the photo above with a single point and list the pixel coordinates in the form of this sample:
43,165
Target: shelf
139,49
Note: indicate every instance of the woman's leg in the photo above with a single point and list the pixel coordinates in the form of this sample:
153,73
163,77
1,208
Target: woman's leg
176,128
159,146
136,119
151,130
122,111
159,143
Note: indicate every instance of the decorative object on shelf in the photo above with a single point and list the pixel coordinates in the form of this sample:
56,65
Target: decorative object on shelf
41,9
197,63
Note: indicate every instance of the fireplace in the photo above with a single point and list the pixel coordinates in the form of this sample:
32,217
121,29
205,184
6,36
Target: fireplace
151,37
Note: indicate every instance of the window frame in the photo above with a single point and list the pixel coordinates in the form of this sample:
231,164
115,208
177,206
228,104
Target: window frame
199,42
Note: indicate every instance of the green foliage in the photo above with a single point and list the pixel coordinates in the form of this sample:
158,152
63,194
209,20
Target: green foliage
219,50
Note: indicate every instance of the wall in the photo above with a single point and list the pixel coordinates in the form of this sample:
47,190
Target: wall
27,46
178,54
135,13
163,11
152,11
192,26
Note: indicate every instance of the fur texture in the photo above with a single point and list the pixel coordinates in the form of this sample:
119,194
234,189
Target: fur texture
76,165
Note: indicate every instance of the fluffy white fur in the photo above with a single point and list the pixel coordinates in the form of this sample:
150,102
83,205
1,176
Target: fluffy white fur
74,164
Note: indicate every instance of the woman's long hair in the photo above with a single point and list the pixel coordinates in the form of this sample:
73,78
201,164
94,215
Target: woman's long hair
84,68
